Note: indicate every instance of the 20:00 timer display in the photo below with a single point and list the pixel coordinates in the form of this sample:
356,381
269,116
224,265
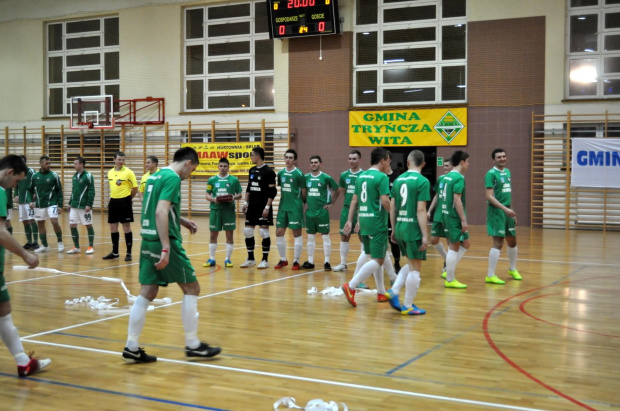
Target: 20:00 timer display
300,18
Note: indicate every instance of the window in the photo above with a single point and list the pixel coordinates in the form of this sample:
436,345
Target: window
82,60
228,58
593,49
409,52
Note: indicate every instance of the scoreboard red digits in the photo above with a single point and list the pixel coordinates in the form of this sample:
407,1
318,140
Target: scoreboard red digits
302,18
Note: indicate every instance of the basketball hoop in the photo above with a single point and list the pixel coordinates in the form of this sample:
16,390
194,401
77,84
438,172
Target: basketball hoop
85,124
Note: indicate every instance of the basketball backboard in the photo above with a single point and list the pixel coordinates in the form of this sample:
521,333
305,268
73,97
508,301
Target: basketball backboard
91,112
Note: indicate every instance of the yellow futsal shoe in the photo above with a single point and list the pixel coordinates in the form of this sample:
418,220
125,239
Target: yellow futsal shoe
515,274
494,280
210,263
228,263
454,284
444,274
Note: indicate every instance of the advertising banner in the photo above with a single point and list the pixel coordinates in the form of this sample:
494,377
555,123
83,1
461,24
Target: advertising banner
595,162
209,154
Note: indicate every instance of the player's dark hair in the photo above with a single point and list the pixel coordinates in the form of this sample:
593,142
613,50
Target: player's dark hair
23,157
14,162
316,157
43,158
377,155
497,150
359,155
293,152
457,157
119,154
417,157
260,151
81,160
184,154
224,160
153,159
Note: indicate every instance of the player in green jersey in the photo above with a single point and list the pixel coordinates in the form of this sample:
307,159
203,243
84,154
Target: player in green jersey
291,209
163,259
410,193
12,170
26,214
9,210
438,231
372,194
81,206
322,193
223,216
454,216
501,218
346,188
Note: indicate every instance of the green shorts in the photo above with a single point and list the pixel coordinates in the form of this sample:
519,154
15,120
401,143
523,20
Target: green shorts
344,216
290,219
438,230
179,269
453,230
4,289
318,224
499,224
375,245
223,220
410,249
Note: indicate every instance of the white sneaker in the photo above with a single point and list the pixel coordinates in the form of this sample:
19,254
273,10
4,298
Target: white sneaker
263,264
61,247
90,250
248,263
42,249
74,250
340,267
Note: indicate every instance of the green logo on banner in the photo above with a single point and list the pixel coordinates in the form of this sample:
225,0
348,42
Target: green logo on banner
449,127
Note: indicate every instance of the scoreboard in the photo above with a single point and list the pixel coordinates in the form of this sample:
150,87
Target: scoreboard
301,18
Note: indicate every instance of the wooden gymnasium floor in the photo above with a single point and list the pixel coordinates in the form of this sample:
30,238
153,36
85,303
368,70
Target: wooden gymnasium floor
551,341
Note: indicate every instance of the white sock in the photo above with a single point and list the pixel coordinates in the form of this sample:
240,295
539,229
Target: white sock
361,260
440,250
364,272
212,249
299,245
400,279
411,288
451,261
512,257
493,258
327,246
137,317
310,247
461,253
10,337
389,267
378,274
344,250
189,315
229,250
281,243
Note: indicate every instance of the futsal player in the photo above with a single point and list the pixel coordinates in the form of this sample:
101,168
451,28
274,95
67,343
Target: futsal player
81,206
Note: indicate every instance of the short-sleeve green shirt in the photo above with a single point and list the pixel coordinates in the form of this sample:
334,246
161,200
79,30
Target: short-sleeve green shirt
372,217
499,181
318,193
291,183
454,184
439,184
164,185
221,186
347,181
409,188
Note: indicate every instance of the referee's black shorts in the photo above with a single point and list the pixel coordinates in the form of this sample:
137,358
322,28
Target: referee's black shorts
120,210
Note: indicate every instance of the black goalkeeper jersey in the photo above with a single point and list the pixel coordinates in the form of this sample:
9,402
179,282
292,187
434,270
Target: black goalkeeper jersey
258,184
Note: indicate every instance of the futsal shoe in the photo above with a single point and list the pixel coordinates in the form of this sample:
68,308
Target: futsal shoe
137,356
90,250
33,366
393,300
74,250
444,274
327,266
340,267
362,285
27,246
42,249
494,280
412,311
228,263
281,263
209,263
307,266
61,247
515,274
34,246
349,294
382,298
128,257
262,265
295,266
248,263
110,256
204,350
454,284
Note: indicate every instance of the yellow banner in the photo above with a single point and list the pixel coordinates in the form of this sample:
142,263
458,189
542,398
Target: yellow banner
238,155
433,127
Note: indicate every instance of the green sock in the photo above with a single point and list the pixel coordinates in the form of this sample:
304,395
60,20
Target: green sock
35,232
91,236
76,237
10,230
28,233
59,236
43,239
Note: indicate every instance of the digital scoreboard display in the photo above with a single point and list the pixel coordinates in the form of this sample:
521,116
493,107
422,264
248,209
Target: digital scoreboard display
301,18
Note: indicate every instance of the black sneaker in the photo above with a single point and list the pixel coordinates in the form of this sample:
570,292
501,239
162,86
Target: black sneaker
110,256
204,350
137,356
307,266
128,257
34,246
27,246
327,267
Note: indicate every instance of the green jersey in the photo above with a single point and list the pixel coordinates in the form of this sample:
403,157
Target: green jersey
370,186
409,188
318,193
439,184
83,191
163,185
45,189
3,213
291,183
454,184
9,198
221,186
22,186
347,181
499,181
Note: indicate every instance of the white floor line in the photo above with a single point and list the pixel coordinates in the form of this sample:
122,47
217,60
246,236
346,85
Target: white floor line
297,378
36,278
